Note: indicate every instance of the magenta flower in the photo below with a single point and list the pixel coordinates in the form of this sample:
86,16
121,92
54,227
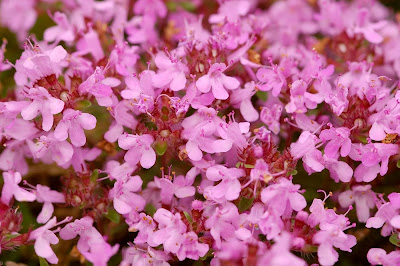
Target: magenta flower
283,197
43,237
191,248
216,81
223,223
3,66
170,230
338,138
146,226
271,117
271,79
43,103
171,73
363,197
72,124
11,189
47,196
378,256
229,188
123,196
63,31
139,149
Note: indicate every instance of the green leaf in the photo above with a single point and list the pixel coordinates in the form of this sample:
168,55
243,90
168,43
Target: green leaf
262,95
161,147
94,176
239,164
43,262
208,254
113,216
187,215
188,6
248,166
150,209
398,164
294,172
245,203
83,104
394,240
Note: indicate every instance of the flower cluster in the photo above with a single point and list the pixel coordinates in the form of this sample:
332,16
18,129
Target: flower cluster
167,131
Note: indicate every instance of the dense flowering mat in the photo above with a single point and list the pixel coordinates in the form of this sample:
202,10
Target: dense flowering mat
229,132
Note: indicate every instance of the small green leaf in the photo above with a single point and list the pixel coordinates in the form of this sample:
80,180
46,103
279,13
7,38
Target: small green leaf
262,95
245,203
82,104
294,172
43,262
248,166
113,216
398,164
239,164
161,147
394,240
150,209
187,215
188,6
94,176
208,254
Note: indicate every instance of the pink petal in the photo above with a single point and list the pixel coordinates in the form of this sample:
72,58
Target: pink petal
42,247
132,157
193,151
395,222
77,135
327,255
185,192
87,121
203,84
248,111
121,206
31,111
179,82
297,201
375,222
219,91
148,158
61,131
21,194
230,83
48,120
46,213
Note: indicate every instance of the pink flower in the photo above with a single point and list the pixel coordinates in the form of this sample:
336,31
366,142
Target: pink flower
49,149
374,158
36,63
170,230
363,197
135,255
43,237
242,98
139,149
43,103
72,124
146,226
99,86
228,189
378,256
305,148
283,197
47,196
100,252
271,117
84,228
217,81
338,138
11,189
387,216
223,223
271,79
171,73
191,248
63,31
280,254
180,186
123,196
